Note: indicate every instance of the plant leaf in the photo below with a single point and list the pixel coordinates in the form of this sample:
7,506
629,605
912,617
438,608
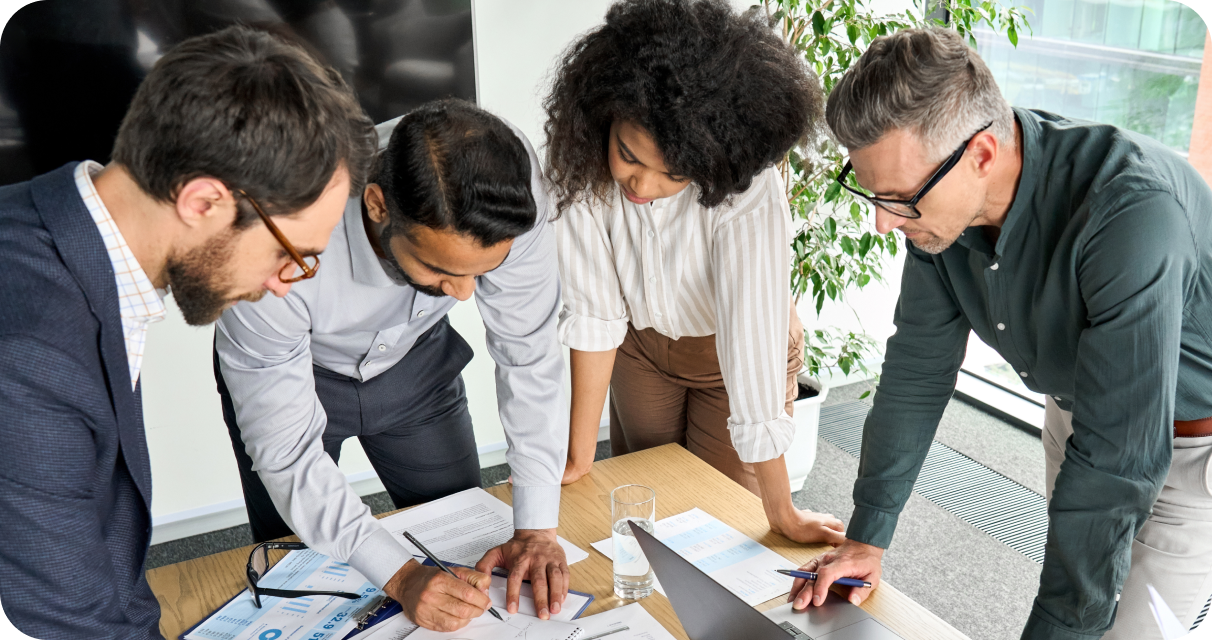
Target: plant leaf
818,23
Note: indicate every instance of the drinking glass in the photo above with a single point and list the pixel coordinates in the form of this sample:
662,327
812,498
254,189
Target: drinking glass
632,574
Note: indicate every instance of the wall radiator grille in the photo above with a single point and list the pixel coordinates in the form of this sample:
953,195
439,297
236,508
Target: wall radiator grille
1004,509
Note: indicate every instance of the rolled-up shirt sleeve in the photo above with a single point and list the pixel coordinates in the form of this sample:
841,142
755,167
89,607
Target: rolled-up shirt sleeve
594,317
751,257
265,358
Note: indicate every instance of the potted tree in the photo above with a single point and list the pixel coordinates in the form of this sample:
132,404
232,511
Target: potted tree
836,249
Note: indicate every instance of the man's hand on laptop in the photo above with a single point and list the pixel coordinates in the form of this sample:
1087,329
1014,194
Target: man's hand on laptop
532,554
436,601
850,560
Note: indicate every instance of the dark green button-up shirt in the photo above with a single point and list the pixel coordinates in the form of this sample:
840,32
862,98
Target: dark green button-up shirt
1098,291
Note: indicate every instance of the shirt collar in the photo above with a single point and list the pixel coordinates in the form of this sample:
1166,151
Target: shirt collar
140,301
973,238
1032,164
365,265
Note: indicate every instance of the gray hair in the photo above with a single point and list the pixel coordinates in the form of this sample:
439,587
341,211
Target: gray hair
926,81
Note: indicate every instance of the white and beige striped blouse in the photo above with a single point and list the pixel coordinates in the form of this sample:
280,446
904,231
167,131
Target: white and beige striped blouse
686,270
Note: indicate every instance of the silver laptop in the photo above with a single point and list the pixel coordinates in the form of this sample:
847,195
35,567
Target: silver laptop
708,611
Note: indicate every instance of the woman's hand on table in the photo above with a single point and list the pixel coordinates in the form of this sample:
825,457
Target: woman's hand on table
808,527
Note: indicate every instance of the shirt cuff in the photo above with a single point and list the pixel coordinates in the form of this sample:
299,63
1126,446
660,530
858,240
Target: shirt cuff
584,333
762,441
379,557
536,507
871,526
1039,628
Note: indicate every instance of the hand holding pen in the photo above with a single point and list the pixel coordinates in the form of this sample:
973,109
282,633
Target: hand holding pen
437,597
434,559
854,565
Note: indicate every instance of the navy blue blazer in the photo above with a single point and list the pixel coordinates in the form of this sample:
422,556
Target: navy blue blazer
75,480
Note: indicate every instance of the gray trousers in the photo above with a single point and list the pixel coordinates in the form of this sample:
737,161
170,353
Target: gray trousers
1173,551
412,421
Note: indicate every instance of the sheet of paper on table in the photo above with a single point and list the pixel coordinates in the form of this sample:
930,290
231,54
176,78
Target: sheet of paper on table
398,627
734,560
315,618
631,622
460,528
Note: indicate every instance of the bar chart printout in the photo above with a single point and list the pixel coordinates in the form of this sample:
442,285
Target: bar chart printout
312,617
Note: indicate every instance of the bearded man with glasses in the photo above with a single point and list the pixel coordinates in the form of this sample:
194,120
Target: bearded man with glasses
230,170
1082,253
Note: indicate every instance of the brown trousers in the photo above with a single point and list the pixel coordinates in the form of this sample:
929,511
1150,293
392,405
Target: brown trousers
664,391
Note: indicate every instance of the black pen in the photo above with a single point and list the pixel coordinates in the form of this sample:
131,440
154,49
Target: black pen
434,559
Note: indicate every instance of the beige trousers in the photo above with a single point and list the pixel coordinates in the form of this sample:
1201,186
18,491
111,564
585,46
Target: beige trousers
664,391
1173,551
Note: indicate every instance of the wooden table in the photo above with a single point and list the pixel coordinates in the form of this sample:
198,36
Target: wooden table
188,591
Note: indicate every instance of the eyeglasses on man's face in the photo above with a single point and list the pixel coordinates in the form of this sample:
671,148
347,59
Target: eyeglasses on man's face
908,208
287,275
258,565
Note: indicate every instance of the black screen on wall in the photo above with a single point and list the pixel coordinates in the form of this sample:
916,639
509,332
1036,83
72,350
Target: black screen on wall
68,68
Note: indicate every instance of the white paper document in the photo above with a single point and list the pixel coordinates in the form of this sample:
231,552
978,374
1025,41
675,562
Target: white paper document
524,625
460,528
314,618
631,622
734,560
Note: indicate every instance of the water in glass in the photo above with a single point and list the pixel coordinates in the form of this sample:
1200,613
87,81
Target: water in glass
633,578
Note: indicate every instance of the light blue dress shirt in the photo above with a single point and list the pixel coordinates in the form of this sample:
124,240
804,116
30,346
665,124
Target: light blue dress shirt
353,319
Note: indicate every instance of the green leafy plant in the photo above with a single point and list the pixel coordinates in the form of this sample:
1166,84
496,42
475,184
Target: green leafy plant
837,248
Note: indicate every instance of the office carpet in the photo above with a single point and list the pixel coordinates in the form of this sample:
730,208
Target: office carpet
977,584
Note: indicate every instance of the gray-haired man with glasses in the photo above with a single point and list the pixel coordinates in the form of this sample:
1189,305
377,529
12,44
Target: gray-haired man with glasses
1082,253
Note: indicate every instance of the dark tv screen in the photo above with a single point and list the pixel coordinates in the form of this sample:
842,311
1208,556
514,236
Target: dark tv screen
68,68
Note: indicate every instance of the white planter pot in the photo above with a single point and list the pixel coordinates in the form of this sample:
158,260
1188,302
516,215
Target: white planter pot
802,454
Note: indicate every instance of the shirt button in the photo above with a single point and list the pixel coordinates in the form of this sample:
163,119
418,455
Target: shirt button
993,267
650,234
652,279
657,314
1022,374
421,313
1001,326
382,347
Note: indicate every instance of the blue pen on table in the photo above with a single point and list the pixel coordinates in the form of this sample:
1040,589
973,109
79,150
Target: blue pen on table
808,575
434,559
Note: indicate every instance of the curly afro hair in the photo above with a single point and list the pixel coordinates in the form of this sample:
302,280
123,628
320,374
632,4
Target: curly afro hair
721,94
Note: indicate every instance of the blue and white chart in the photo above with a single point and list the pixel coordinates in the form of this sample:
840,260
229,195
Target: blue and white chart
313,618
743,566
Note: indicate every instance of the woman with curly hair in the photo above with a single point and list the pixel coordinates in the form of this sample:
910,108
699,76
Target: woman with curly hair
664,126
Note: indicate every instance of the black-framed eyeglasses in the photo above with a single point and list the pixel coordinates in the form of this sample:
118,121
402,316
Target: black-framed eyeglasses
908,208
258,565
287,275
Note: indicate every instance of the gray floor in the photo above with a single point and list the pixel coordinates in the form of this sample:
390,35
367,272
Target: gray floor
980,586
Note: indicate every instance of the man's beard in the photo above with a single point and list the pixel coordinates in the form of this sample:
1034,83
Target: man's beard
385,245
200,282
932,244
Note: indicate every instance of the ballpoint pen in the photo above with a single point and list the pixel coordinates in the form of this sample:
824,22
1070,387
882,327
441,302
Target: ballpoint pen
607,633
434,559
808,575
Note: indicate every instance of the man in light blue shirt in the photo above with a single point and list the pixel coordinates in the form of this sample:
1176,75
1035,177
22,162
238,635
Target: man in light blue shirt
364,350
